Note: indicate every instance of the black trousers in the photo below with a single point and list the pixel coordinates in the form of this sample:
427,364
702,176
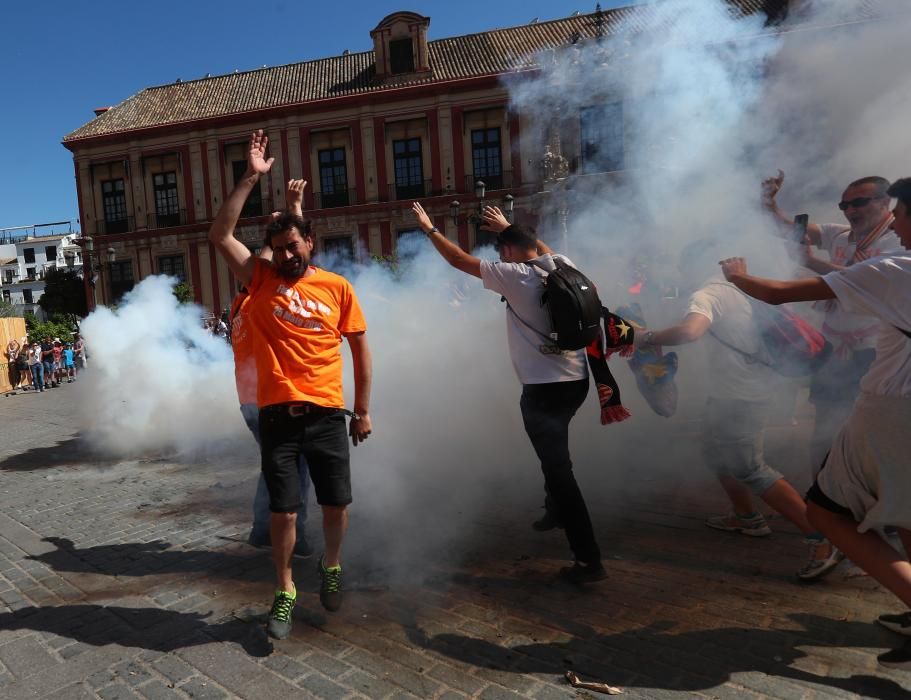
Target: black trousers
547,410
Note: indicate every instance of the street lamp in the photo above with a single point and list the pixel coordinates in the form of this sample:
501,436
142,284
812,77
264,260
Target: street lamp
69,257
112,256
454,207
508,206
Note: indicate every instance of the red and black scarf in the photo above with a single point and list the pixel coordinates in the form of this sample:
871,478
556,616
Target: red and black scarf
615,335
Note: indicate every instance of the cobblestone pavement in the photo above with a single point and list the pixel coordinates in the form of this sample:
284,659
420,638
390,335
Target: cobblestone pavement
131,579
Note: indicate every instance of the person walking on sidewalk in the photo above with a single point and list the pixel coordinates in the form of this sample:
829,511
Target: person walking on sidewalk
554,382
298,317
36,365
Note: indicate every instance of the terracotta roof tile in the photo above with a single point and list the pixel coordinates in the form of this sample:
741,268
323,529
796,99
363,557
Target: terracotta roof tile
488,53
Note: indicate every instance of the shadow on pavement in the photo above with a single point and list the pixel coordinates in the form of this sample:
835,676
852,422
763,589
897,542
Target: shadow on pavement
146,628
149,558
71,451
651,657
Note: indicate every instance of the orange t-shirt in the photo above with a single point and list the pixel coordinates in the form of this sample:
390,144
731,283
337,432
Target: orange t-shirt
242,344
297,330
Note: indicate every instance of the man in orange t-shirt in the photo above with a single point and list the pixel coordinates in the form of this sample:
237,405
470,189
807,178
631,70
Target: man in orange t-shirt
298,316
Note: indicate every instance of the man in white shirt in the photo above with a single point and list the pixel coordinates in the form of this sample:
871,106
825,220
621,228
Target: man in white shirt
554,382
740,390
865,483
868,234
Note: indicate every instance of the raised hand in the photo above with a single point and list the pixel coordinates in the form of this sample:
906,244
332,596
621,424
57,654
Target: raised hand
423,219
733,266
256,154
295,195
770,188
494,220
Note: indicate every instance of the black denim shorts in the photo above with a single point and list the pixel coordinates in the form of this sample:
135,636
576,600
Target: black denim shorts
321,435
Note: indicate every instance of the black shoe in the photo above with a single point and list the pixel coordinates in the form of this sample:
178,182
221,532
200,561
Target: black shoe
584,573
897,658
330,587
900,623
546,522
302,548
259,539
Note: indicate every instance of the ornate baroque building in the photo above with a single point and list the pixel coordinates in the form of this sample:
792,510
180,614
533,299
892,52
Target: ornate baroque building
371,131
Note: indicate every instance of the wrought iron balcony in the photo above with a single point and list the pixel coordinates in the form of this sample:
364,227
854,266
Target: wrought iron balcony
330,200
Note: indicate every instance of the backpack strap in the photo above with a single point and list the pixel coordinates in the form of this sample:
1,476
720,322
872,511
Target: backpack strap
751,359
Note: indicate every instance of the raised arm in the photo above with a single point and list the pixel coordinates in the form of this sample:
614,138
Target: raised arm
774,291
770,188
454,255
295,196
239,258
362,362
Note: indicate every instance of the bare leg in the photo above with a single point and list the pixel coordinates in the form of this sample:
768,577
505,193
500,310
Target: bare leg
785,500
868,550
740,495
282,548
335,522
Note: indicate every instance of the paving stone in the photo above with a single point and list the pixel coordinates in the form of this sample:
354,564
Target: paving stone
156,690
199,689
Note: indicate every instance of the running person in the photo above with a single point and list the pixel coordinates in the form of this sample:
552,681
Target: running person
298,316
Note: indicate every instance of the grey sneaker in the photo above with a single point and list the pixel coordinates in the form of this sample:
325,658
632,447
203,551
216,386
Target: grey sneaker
330,587
279,625
900,623
754,527
818,566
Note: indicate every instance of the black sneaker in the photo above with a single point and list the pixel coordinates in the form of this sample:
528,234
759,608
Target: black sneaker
546,522
279,625
584,573
330,587
900,623
897,658
302,547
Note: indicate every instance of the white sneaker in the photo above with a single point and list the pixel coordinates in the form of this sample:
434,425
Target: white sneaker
753,527
817,567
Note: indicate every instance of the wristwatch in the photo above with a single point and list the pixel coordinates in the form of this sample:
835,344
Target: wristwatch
433,229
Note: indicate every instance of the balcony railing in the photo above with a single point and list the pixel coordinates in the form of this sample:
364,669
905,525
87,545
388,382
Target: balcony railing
339,198
416,191
502,181
116,225
177,218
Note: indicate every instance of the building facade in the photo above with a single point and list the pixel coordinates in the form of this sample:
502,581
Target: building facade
410,119
27,255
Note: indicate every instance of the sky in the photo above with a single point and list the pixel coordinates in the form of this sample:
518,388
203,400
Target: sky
61,60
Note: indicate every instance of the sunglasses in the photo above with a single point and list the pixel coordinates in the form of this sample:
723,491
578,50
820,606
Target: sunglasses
857,203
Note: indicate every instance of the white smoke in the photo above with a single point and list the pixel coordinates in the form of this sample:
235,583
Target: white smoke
156,380
712,103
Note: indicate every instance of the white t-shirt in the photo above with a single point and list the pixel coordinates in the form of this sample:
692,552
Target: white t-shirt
856,331
732,374
535,358
881,287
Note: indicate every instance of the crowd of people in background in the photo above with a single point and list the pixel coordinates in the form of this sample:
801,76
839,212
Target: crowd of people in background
44,365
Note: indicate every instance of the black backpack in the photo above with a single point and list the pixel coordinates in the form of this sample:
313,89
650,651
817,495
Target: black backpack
572,303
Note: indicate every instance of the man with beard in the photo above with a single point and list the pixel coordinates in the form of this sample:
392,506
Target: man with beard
868,235
298,316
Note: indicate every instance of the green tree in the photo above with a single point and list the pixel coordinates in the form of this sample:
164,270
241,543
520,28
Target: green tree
57,327
6,309
64,295
184,292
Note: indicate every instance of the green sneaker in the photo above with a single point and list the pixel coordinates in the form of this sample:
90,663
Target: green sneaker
280,615
330,587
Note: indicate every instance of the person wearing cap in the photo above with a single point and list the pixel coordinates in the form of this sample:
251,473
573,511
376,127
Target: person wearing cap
554,382
47,361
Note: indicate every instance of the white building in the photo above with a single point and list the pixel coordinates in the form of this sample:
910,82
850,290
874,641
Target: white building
26,255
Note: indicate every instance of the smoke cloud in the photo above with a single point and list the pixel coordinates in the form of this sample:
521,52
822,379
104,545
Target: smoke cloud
708,105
